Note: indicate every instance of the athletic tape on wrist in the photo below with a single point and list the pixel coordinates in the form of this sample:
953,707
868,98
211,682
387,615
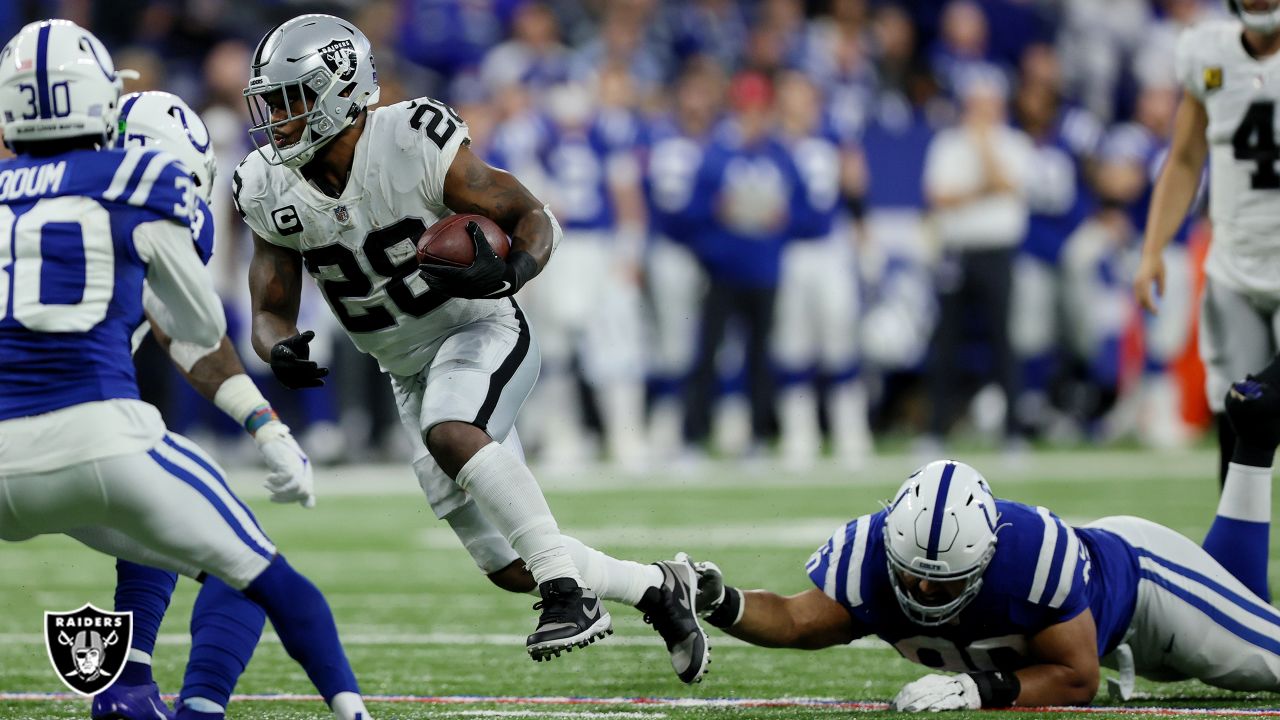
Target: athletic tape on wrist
730,611
997,689
241,400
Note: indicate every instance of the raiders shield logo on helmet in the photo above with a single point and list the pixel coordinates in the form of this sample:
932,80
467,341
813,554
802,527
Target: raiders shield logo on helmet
340,57
88,647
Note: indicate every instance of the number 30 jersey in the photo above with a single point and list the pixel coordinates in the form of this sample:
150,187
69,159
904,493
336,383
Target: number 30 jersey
78,235
1240,95
361,247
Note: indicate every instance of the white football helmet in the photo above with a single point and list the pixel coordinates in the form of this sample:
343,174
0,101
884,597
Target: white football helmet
57,81
162,120
1267,21
323,60
941,527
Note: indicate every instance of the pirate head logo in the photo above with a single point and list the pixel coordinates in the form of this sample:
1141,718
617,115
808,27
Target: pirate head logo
88,647
340,57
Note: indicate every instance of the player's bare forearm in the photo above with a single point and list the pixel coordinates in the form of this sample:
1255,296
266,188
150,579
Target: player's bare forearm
275,289
1067,673
1180,177
210,371
472,186
808,621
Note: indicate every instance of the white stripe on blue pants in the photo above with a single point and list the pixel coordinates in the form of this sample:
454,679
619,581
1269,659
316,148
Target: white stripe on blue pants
167,507
1192,618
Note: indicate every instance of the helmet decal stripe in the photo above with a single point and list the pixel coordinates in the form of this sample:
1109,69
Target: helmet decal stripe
42,71
124,118
939,511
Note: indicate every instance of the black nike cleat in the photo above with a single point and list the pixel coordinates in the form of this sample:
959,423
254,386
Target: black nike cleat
571,617
669,608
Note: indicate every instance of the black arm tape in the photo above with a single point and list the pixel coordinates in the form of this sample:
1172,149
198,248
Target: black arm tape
521,267
1252,455
997,689
857,206
730,609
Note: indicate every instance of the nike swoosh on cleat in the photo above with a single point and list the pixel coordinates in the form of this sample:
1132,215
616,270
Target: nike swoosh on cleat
594,612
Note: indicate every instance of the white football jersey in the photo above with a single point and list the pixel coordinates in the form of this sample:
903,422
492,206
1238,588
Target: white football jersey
1240,95
361,247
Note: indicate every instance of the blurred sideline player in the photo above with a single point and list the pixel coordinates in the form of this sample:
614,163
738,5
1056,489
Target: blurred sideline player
83,456
815,337
162,121
674,283
1026,607
348,192
587,306
1226,94
1133,155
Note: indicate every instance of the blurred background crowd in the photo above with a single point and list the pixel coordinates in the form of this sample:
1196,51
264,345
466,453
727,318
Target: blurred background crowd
791,226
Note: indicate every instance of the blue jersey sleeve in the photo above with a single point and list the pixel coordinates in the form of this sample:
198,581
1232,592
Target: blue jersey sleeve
1042,567
845,567
202,231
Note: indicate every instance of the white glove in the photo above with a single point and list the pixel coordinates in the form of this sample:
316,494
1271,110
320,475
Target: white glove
938,692
289,479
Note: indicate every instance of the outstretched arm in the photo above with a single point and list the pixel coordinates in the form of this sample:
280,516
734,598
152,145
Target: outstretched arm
808,621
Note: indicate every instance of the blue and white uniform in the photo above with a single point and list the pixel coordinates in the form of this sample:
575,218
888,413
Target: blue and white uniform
1146,586
675,281
817,297
79,452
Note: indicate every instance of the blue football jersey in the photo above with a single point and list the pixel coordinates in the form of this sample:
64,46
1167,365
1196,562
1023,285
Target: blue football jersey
672,163
1059,197
1044,572
579,163
70,275
816,205
739,217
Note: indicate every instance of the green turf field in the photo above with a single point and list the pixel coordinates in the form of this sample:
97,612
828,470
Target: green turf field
418,620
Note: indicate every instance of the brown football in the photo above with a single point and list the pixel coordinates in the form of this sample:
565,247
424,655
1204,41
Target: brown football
448,243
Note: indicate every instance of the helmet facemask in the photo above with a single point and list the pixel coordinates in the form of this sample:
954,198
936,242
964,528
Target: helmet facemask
1266,21
313,91
925,614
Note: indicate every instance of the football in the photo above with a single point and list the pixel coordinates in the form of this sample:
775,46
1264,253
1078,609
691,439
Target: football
448,243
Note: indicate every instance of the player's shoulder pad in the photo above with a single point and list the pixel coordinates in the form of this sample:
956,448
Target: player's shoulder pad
249,182
838,566
1037,553
420,119
1202,52
152,179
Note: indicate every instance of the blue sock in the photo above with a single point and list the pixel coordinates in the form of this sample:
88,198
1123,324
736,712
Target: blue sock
1240,536
302,619
145,591
225,629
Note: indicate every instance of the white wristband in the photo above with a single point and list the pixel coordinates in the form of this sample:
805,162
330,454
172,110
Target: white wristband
239,398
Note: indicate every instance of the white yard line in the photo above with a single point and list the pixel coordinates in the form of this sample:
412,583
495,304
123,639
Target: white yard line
661,702
1075,466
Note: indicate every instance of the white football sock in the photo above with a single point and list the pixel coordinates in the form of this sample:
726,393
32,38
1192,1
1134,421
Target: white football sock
1246,494
349,706
509,496
621,581
203,705
136,655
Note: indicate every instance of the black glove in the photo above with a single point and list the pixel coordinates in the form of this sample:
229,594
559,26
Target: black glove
1253,408
488,276
290,364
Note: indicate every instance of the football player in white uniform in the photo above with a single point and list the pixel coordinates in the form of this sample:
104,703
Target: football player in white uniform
346,192
1231,82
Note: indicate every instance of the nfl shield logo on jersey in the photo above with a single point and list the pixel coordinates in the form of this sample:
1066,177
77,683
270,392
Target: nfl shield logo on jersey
88,647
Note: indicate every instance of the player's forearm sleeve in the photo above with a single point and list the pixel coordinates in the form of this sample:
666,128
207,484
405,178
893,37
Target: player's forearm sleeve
184,304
